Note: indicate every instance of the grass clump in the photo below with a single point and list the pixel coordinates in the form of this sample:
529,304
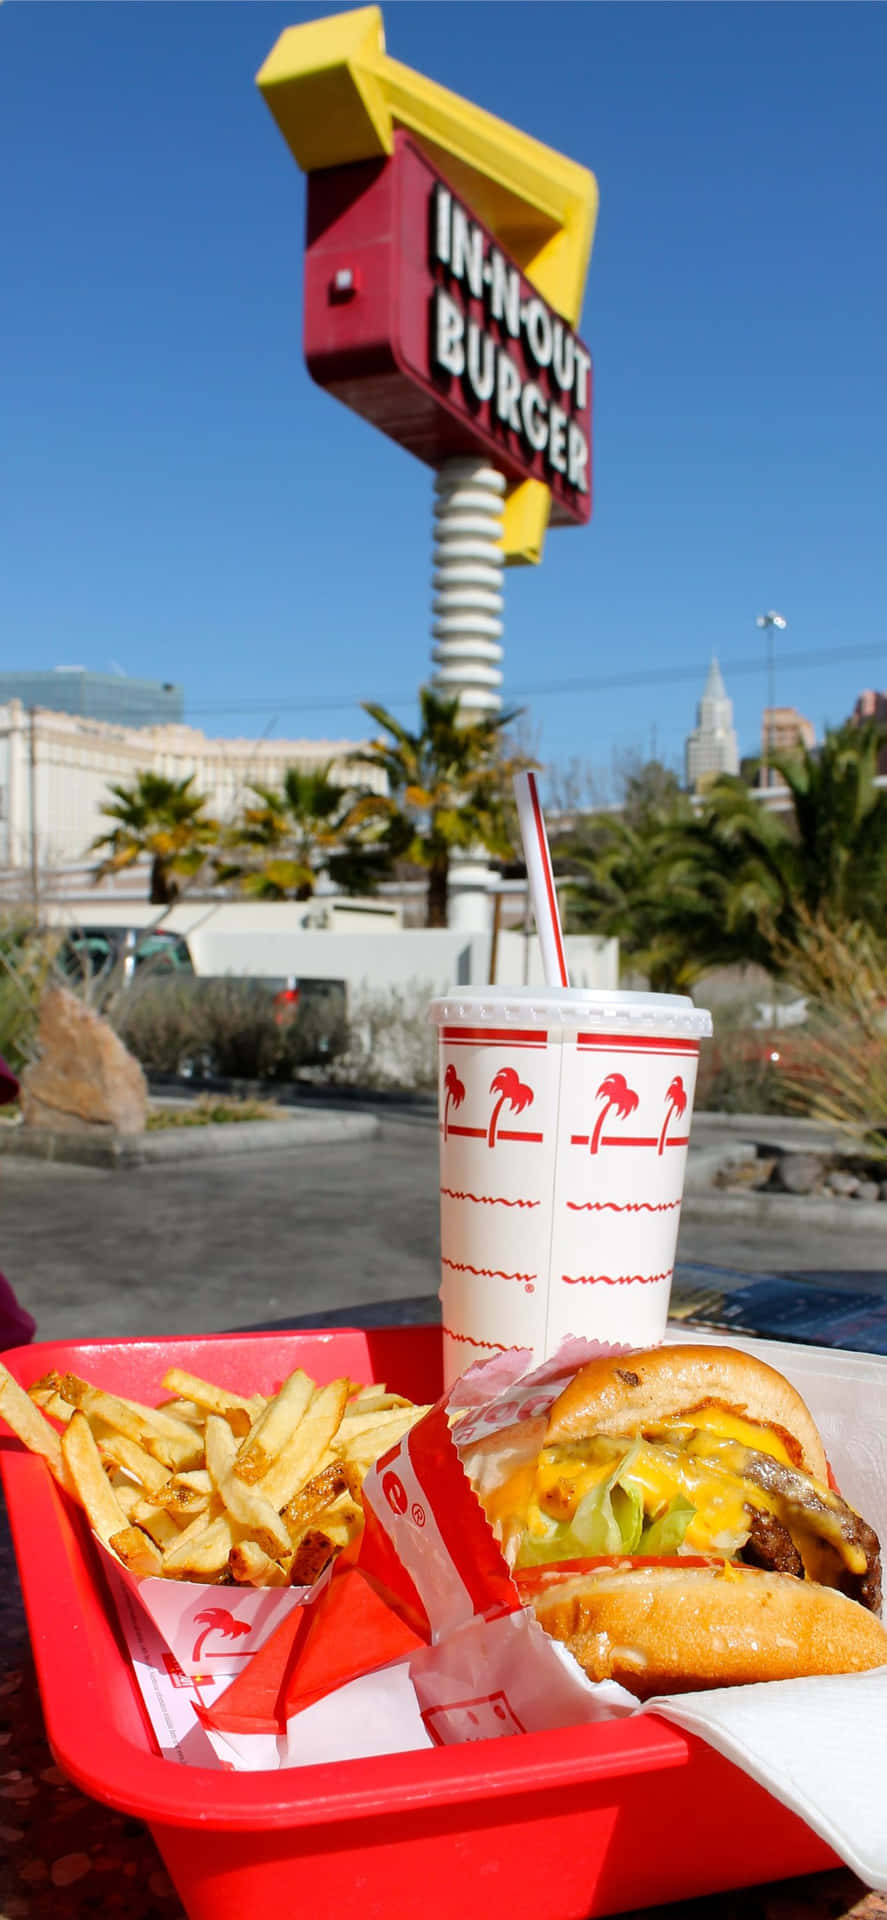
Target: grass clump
208,1112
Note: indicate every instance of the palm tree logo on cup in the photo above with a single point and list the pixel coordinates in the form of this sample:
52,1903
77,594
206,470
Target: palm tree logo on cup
677,1103
616,1094
508,1085
455,1092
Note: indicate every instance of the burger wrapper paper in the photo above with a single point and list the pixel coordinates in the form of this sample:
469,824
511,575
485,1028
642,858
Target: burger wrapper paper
472,1664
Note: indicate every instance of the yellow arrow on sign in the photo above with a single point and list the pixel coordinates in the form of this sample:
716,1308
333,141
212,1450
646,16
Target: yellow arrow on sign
337,97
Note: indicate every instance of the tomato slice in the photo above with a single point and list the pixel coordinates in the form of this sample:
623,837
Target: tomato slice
531,1580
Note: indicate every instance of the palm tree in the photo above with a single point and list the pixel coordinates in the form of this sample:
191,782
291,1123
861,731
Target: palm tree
285,838
512,1088
757,876
164,819
448,788
615,1092
731,882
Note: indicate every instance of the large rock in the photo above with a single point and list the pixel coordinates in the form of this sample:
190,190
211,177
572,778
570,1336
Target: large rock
84,1078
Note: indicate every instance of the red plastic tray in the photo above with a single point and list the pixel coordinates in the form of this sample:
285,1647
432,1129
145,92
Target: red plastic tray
577,1823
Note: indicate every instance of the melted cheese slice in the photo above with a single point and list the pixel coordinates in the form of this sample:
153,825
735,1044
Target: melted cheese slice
700,1464
724,1425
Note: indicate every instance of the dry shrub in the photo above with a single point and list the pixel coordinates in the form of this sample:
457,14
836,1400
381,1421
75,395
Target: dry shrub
834,1068
200,1028
391,1044
26,959
227,1028
740,1070
223,1027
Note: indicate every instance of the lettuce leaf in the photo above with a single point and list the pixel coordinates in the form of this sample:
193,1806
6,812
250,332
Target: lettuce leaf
608,1519
666,1534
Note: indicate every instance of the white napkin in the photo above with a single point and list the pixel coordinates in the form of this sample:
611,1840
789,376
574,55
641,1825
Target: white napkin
818,1746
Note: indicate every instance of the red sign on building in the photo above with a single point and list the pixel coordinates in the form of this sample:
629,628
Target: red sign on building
417,319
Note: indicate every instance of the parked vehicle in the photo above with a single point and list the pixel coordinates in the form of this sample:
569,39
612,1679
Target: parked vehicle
92,954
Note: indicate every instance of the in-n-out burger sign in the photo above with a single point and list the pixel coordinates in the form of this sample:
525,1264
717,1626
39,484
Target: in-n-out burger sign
418,319
546,410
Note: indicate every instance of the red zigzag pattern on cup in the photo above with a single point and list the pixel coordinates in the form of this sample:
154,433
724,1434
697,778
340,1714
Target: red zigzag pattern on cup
487,1199
467,1341
630,1206
489,1273
614,1279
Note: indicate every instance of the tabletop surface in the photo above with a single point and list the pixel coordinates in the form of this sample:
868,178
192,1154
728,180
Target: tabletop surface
65,1857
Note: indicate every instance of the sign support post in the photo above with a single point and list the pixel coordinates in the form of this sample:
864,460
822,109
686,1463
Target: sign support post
467,608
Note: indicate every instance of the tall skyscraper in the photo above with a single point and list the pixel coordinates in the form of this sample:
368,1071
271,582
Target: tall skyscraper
712,747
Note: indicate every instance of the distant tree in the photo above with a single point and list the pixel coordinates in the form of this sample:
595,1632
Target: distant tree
614,863
163,819
649,790
449,789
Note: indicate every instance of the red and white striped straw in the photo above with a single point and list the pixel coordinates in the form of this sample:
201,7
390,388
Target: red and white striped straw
541,880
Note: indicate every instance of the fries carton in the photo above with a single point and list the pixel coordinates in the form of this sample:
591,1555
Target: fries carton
217,1513
207,1629
480,1667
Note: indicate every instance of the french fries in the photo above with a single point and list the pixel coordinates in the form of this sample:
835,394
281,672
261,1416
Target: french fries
21,1414
88,1479
212,1485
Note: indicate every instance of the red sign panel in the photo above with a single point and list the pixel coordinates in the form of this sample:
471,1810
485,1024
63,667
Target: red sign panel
417,319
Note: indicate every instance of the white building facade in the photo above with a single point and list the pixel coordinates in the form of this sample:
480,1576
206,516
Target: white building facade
56,770
712,747
55,773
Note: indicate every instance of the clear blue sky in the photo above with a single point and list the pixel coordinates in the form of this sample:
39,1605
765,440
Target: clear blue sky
177,498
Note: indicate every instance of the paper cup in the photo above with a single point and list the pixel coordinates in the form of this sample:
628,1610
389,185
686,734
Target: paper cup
564,1119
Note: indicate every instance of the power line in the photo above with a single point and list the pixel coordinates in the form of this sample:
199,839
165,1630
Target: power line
742,667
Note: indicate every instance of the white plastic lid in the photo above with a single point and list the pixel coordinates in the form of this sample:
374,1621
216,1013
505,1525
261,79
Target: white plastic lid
569,1007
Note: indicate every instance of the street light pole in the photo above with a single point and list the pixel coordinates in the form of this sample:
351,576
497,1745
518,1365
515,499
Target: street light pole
769,621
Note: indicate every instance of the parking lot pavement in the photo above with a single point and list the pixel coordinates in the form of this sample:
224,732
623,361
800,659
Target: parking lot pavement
221,1243
211,1244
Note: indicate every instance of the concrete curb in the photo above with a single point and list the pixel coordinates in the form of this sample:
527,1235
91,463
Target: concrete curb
191,1143
769,1209
703,1200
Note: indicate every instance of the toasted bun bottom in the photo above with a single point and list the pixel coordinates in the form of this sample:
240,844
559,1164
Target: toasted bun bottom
670,1630
621,1394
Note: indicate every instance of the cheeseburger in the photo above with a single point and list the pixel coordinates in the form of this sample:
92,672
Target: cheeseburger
674,1522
